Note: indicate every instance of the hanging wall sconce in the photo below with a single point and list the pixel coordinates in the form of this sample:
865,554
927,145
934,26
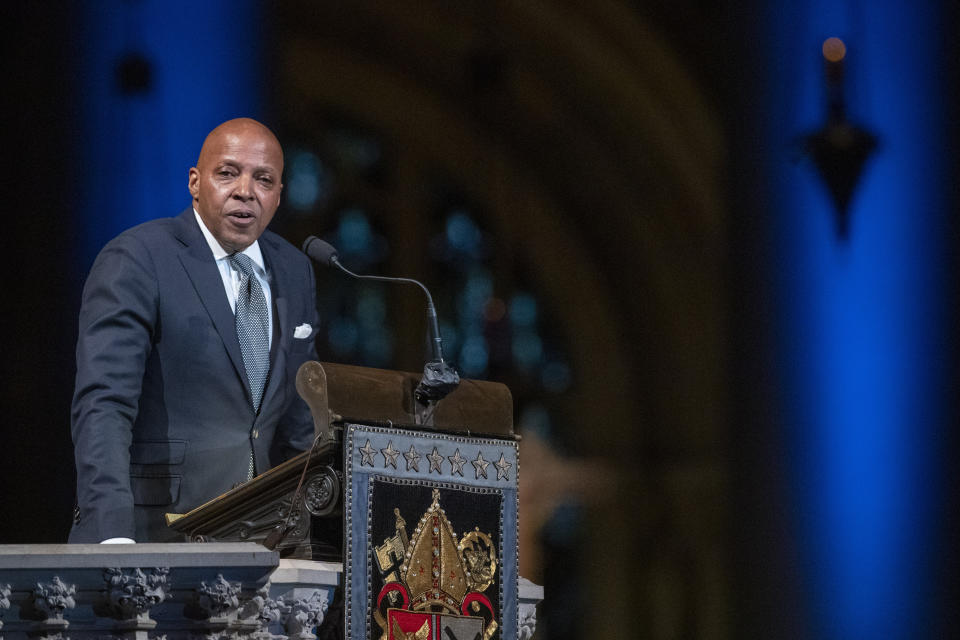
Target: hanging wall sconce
840,148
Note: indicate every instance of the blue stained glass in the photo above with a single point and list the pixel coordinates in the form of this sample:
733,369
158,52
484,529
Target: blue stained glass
463,235
474,356
307,183
523,310
359,151
491,334
354,232
377,348
476,292
343,334
371,308
527,349
450,336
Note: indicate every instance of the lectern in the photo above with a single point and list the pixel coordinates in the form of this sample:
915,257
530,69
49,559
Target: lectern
420,506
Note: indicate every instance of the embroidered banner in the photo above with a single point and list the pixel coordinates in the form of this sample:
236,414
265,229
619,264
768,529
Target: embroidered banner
431,535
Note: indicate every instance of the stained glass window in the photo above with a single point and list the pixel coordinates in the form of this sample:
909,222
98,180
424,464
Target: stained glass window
340,185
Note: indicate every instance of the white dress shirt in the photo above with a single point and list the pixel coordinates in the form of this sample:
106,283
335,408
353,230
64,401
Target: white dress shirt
231,277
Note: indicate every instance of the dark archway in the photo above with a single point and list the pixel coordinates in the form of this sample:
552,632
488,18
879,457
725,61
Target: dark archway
594,160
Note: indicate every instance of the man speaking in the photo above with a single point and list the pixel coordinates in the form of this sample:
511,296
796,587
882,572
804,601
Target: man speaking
191,332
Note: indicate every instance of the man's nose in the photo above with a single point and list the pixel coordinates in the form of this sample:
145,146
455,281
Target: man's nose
244,190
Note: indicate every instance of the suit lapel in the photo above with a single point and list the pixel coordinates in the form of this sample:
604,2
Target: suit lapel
202,270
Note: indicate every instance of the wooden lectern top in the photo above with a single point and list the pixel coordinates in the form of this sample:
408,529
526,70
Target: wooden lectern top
364,394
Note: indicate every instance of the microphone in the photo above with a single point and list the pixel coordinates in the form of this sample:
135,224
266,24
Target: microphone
439,378
320,251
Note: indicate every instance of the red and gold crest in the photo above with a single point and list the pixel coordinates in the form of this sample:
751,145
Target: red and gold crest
434,582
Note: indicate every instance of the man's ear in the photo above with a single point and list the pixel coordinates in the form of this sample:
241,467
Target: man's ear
193,182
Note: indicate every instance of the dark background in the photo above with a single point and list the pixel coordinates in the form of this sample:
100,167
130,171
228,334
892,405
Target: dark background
675,512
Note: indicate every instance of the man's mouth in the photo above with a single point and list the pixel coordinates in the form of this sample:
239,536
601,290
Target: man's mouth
241,215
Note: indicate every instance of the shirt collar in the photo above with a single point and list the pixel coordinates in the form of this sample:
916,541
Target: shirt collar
219,253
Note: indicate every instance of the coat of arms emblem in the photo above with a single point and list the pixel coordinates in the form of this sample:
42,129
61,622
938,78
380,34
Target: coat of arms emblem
435,582
430,527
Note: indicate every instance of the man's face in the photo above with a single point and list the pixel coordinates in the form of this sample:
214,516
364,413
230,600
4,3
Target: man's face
236,183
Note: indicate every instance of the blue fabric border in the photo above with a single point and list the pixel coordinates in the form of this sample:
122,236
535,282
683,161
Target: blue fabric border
359,469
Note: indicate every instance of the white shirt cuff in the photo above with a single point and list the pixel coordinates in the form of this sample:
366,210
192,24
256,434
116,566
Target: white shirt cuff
118,541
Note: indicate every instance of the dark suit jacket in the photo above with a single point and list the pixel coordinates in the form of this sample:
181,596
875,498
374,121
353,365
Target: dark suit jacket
161,417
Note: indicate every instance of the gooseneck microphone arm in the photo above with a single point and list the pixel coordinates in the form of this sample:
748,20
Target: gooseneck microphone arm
436,347
439,378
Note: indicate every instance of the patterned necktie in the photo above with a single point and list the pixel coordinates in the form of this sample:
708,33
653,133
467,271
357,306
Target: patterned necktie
252,331
252,327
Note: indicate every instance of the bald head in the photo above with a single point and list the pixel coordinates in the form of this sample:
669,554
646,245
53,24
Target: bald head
236,184
244,127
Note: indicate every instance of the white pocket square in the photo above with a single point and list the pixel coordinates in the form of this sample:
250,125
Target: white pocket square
303,331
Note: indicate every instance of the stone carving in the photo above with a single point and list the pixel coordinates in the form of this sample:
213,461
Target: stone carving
47,603
258,613
52,598
218,599
528,621
304,615
227,615
131,595
4,601
332,627
255,606
141,604
218,634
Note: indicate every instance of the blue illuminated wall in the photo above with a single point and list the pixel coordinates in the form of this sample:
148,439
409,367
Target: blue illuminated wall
861,324
206,64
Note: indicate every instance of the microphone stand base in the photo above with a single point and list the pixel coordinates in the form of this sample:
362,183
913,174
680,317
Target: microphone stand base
438,380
